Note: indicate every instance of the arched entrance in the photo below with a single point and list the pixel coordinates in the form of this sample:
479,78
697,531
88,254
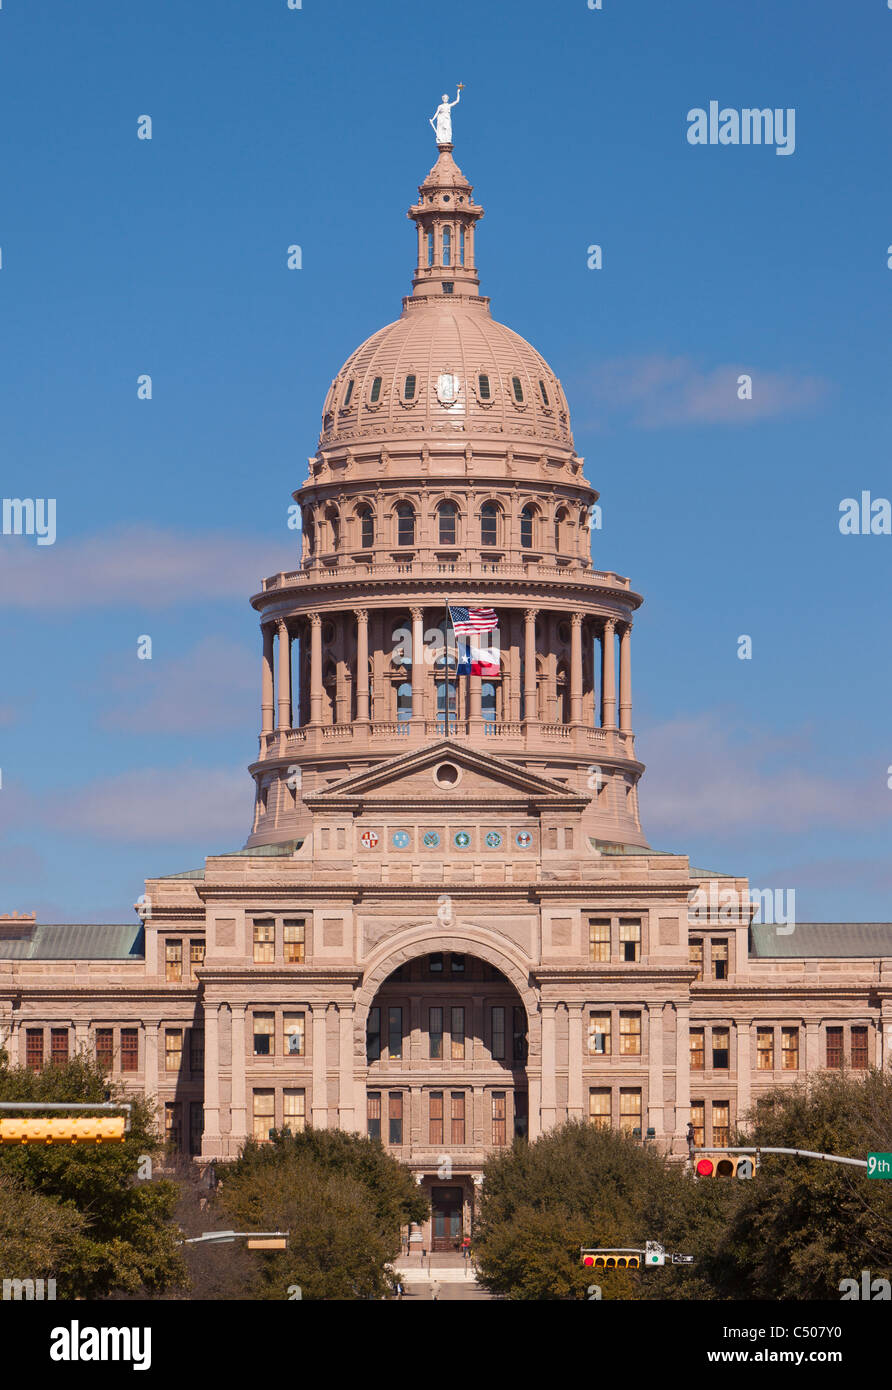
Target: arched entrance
446,1055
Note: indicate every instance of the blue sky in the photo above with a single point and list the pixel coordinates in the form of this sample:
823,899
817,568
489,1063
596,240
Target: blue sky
273,126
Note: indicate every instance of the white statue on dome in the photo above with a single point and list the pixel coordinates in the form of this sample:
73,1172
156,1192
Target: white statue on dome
441,120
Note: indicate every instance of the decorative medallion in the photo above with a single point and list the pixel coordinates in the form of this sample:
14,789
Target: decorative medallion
400,839
493,839
524,839
368,839
430,839
461,840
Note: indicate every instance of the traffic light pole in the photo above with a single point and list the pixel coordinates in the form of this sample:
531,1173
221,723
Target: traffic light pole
797,1153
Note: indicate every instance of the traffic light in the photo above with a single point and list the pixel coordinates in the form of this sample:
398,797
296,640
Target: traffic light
654,1254
84,1129
724,1165
608,1261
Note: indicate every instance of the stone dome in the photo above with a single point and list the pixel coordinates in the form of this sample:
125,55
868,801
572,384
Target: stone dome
446,368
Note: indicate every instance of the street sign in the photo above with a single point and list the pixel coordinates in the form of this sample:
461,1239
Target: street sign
879,1165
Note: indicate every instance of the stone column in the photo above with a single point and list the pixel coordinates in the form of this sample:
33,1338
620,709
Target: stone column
417,665
574,1063
608,681
812,1047
284,676
625,679
682,1069
347,1116
549,1061
315,668
320,1098
655,1067
239,1122
744,1068
576,668
476,704
151,1045
210,1144
362,665
267,705
531,711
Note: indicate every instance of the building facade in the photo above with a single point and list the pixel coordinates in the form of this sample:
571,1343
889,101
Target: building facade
446,928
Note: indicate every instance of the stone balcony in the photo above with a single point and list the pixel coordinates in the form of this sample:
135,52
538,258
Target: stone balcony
430,569
396,734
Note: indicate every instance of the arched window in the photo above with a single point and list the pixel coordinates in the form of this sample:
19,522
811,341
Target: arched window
489,524
526,527
543,391
447,246
409,389
488,700
375,394
483,387
461,246
367,528
334,522
517,389
405,524
447,512
430,247
560,517
446,689
347,394
310,535
404,701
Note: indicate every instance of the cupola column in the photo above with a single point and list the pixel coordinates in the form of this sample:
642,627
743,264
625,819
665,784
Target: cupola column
362,665
608,667
284,676
531,710
315,668
576,668
267,705
417,665
625,679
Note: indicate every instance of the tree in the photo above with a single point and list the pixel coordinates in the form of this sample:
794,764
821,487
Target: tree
125,1238
342,1198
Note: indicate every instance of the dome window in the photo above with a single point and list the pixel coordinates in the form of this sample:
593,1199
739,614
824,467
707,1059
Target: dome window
367,528
545,400
447,246
483,387
430,248
409,389
489,524
517,389
405,524
461,245
447,513
404,701
347,394
448,286
526,528
375,394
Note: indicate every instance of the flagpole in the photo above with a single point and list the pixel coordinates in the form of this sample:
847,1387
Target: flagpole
446,668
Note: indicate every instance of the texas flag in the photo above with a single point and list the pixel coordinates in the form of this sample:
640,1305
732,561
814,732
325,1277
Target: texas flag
478,661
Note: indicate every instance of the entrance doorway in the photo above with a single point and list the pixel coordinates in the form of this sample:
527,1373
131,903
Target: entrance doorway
446,1210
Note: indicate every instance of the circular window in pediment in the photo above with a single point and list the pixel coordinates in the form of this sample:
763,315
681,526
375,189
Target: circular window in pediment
446,775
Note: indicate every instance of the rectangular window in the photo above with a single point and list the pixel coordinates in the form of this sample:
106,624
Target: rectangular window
498,1032
721,1048
834,1047
173,1049
457,964
173,1125
695,956
34,1048
721,1123
294,929
458,1117
599,1107
630,1034
435,963
630,938
698,1120
720,960
521,1114
105,1047
196,1051
859,1047
395,1117
499,1119
394,1033
519,1031
196,1126
294,1114
629,1109
790,1048
264,1035
129,1049
599,938
196,958
59,1045
435,1032
458,1034
373,1110
765,1049
173,955
264,941
698,1049
599,1035
373,1036
293,1034
435,1131
264,1115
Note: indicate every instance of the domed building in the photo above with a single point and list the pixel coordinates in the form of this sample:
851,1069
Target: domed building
446,928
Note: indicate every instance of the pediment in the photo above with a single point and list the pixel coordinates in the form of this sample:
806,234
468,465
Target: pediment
412,778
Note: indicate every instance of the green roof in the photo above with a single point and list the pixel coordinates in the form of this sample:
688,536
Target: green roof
74,941
867,940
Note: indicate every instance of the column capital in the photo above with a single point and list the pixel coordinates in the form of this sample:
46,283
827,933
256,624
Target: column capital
282,624
610,623
576,619
416,614
315,619
531,614
361,615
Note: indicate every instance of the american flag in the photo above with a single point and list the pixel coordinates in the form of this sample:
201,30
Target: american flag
468,621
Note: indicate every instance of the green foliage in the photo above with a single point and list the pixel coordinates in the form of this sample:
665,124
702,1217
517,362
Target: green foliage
342,1198
124,1239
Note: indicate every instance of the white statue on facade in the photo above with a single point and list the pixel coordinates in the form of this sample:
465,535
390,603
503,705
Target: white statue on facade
441,120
